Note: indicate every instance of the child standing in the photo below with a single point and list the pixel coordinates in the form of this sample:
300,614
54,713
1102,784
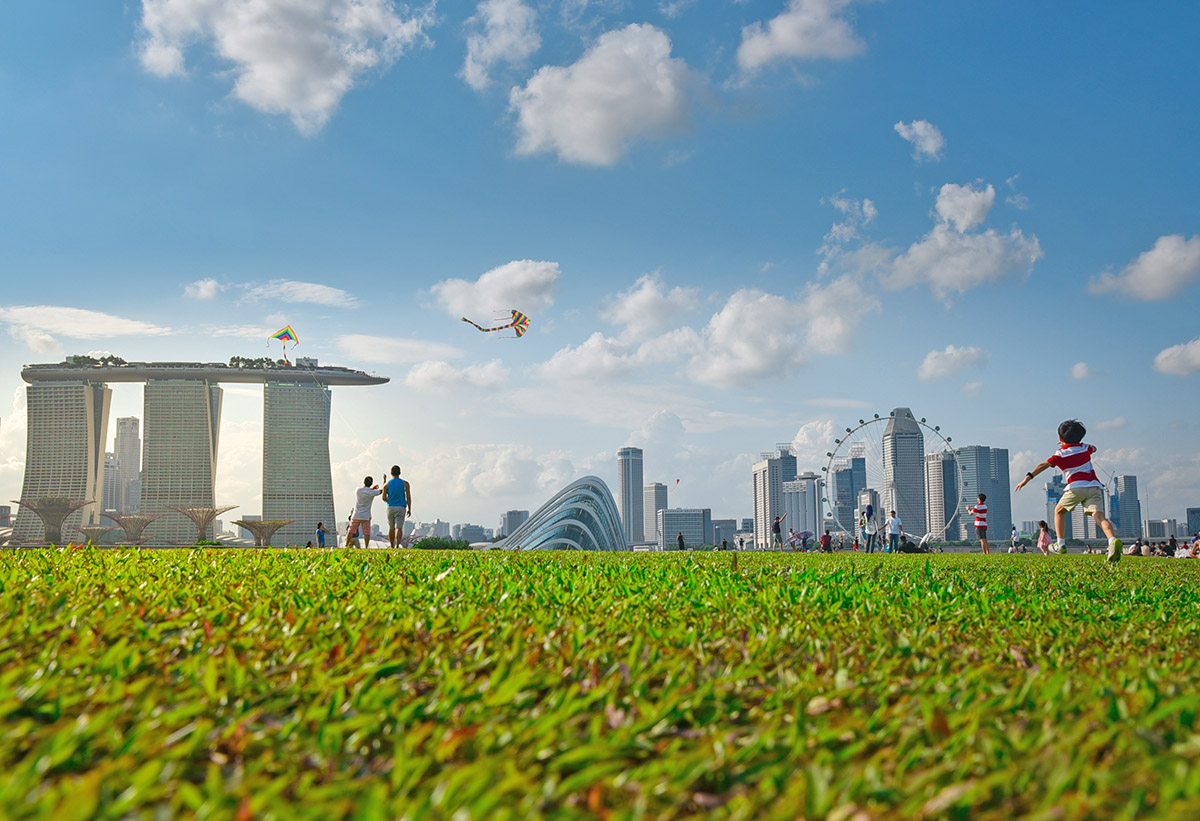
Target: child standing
1074,459
979,511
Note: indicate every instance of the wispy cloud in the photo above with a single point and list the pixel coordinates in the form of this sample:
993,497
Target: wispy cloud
295,292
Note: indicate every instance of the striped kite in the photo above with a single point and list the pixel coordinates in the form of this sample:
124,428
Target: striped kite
519,324
286,335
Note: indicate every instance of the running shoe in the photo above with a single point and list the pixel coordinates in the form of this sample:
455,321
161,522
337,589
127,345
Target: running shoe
1114,551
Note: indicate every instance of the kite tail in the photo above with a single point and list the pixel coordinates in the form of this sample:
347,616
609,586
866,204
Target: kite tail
480,327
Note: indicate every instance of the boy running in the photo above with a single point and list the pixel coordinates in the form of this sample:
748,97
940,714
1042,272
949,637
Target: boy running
979,511
1074,459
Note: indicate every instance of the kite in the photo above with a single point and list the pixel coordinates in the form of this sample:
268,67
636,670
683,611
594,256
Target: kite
519,323
286,335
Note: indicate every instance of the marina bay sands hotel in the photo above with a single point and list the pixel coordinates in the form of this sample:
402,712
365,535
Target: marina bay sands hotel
68,406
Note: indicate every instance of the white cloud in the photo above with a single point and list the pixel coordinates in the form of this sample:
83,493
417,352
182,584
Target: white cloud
812,441
952,262
1179,360
448,474
951,360
663,431
807,29
287,57
12,437
39,326
972,388
598,358
1160,273
503,31
926,138
525,285
624,88
1111,424
202,289
259,332
837,402
1080,370
291,291
392,350
857,215
647,307
439,376
964,206
757,335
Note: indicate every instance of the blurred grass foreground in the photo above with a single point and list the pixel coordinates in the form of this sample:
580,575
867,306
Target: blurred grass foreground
373,684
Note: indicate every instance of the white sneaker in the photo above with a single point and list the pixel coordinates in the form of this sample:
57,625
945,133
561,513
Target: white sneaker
1056,548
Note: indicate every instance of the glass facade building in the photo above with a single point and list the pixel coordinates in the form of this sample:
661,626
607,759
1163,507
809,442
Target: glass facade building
581,516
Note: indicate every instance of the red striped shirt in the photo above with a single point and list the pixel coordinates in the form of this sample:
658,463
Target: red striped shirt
1075,461
980,512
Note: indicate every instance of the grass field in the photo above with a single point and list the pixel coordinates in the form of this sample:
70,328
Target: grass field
371,684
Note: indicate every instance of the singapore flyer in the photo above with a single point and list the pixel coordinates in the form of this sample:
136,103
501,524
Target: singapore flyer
899,462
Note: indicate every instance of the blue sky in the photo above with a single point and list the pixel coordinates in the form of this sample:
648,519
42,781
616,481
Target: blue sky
733,224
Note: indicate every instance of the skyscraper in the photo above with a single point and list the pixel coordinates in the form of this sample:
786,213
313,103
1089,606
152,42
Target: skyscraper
297,481
904,470
985,470
179,457
112,485
128,446
942,486
654,499
512,520
849,480
1126,508
768,498
693,522
1055,488
64,449
1193,520
629,493
801,501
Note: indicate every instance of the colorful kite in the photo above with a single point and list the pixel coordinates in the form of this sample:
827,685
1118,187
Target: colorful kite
286,335
519,324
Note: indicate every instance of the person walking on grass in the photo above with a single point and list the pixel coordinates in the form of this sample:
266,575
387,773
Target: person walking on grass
397,493
777,531
979,511
320,535
1074,459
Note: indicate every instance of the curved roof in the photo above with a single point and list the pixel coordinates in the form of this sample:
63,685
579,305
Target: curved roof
207,371
581,516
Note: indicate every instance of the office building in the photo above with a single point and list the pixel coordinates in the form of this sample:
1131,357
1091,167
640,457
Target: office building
1055,488
869,498
849,480
654,499
512,520
801,501
1158,529
1125,509
942,494
296,446
985,470
67,424
746,525
724,529
629,493
5,516
128,447
904,470
768,498
111,497
1193,522
472,533
179,453
694,523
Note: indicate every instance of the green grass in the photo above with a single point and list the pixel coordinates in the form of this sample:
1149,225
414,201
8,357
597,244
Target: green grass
369,684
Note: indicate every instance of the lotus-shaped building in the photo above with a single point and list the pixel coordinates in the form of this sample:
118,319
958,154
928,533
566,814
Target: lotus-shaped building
581,516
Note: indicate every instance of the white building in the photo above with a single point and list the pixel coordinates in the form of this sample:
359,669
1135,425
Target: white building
297,481
64,454
654,499
801,501
768,498
942,485
629,494
904,470
179,456
128,447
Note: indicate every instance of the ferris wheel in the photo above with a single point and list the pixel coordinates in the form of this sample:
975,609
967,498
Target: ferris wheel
865,468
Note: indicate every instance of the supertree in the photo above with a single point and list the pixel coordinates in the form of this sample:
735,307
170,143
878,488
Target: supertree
53,511
134,525
263,531
203,517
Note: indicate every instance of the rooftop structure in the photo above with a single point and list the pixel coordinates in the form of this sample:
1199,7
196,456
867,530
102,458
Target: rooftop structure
201,371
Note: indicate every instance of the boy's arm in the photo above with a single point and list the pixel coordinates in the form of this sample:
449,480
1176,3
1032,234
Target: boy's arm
1029,476
408,496
385,495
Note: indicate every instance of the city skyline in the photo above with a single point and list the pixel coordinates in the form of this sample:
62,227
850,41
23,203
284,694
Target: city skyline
767,231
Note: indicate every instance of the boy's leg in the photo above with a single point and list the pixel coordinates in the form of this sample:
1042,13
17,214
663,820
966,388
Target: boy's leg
1060,525
984,542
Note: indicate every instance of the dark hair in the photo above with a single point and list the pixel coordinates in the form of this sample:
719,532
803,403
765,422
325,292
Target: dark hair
1072,431
320,525
1042,524
983,497
368,481
395,470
